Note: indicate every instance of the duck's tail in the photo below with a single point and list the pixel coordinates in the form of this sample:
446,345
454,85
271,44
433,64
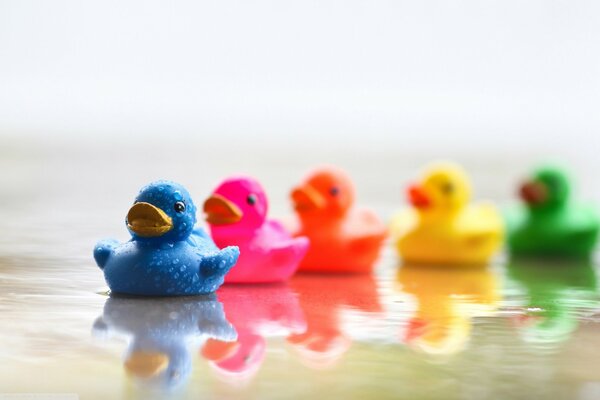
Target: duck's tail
103,250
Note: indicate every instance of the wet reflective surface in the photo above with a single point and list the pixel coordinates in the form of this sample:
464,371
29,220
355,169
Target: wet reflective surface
515,329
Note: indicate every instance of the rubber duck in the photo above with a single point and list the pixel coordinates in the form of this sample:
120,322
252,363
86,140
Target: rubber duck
167,255
159,333
342,238
237,215
325,299
442,227
549,223
557,294
257,312
447,301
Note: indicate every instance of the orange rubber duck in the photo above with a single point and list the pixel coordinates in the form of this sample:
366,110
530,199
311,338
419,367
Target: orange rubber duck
342,238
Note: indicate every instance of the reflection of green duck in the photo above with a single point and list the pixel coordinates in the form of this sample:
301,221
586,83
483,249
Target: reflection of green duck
550,224
556,293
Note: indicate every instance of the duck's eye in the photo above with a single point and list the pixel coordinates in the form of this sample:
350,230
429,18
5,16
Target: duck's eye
251,199
447,188
179,206
334,191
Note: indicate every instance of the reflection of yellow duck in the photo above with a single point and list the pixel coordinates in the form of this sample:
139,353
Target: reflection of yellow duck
447,300
441,227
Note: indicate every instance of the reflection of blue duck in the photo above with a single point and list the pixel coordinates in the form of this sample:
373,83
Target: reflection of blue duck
160,333
557,292
166,255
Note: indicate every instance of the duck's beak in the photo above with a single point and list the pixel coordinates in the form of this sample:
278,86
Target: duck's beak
417,197
217,350
220,211
146,364
147,220
533,192
307,198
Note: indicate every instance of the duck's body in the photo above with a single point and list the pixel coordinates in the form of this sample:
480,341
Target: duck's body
190,267
441,227
166,256
549,223
342,238
469,237
237,216
349,245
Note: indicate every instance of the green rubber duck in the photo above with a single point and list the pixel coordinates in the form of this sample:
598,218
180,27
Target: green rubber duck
550,223
555,295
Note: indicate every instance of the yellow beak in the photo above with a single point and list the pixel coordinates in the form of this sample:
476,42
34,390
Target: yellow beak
146,220
146,364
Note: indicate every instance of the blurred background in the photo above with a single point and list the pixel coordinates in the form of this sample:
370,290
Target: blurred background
500,83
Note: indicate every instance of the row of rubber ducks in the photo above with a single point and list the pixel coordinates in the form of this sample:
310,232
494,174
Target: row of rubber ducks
232,333
170,255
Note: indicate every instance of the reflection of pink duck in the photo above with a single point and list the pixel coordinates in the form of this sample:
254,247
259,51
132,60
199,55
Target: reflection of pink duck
236,213
322,299
256,312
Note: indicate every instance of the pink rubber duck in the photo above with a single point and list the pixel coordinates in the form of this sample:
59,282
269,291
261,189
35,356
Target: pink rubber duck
236,213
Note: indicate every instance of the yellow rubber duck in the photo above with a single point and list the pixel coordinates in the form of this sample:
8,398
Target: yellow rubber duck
442,227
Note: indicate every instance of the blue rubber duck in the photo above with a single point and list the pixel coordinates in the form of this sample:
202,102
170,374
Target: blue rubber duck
167,255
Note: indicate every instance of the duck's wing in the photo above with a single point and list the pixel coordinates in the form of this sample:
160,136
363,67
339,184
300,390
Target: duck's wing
219,263
479,224
103,250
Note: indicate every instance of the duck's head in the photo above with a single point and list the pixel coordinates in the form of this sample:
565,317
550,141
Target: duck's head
162,211
546,189
444,188
238,202
327,192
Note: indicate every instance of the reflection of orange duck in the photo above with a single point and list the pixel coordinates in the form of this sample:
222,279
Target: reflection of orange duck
342,238
447,301
322,299
255,312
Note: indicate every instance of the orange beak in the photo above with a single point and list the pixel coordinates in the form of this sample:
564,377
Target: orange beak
533,192
307,198
417,197
416,329
220,211
217,350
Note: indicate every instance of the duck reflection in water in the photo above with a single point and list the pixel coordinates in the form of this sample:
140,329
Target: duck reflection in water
160,333
559,293
323,299
447,299
257,312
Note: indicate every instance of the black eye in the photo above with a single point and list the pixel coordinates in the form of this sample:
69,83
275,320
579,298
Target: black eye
447,188
179,206
251,199
334,191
